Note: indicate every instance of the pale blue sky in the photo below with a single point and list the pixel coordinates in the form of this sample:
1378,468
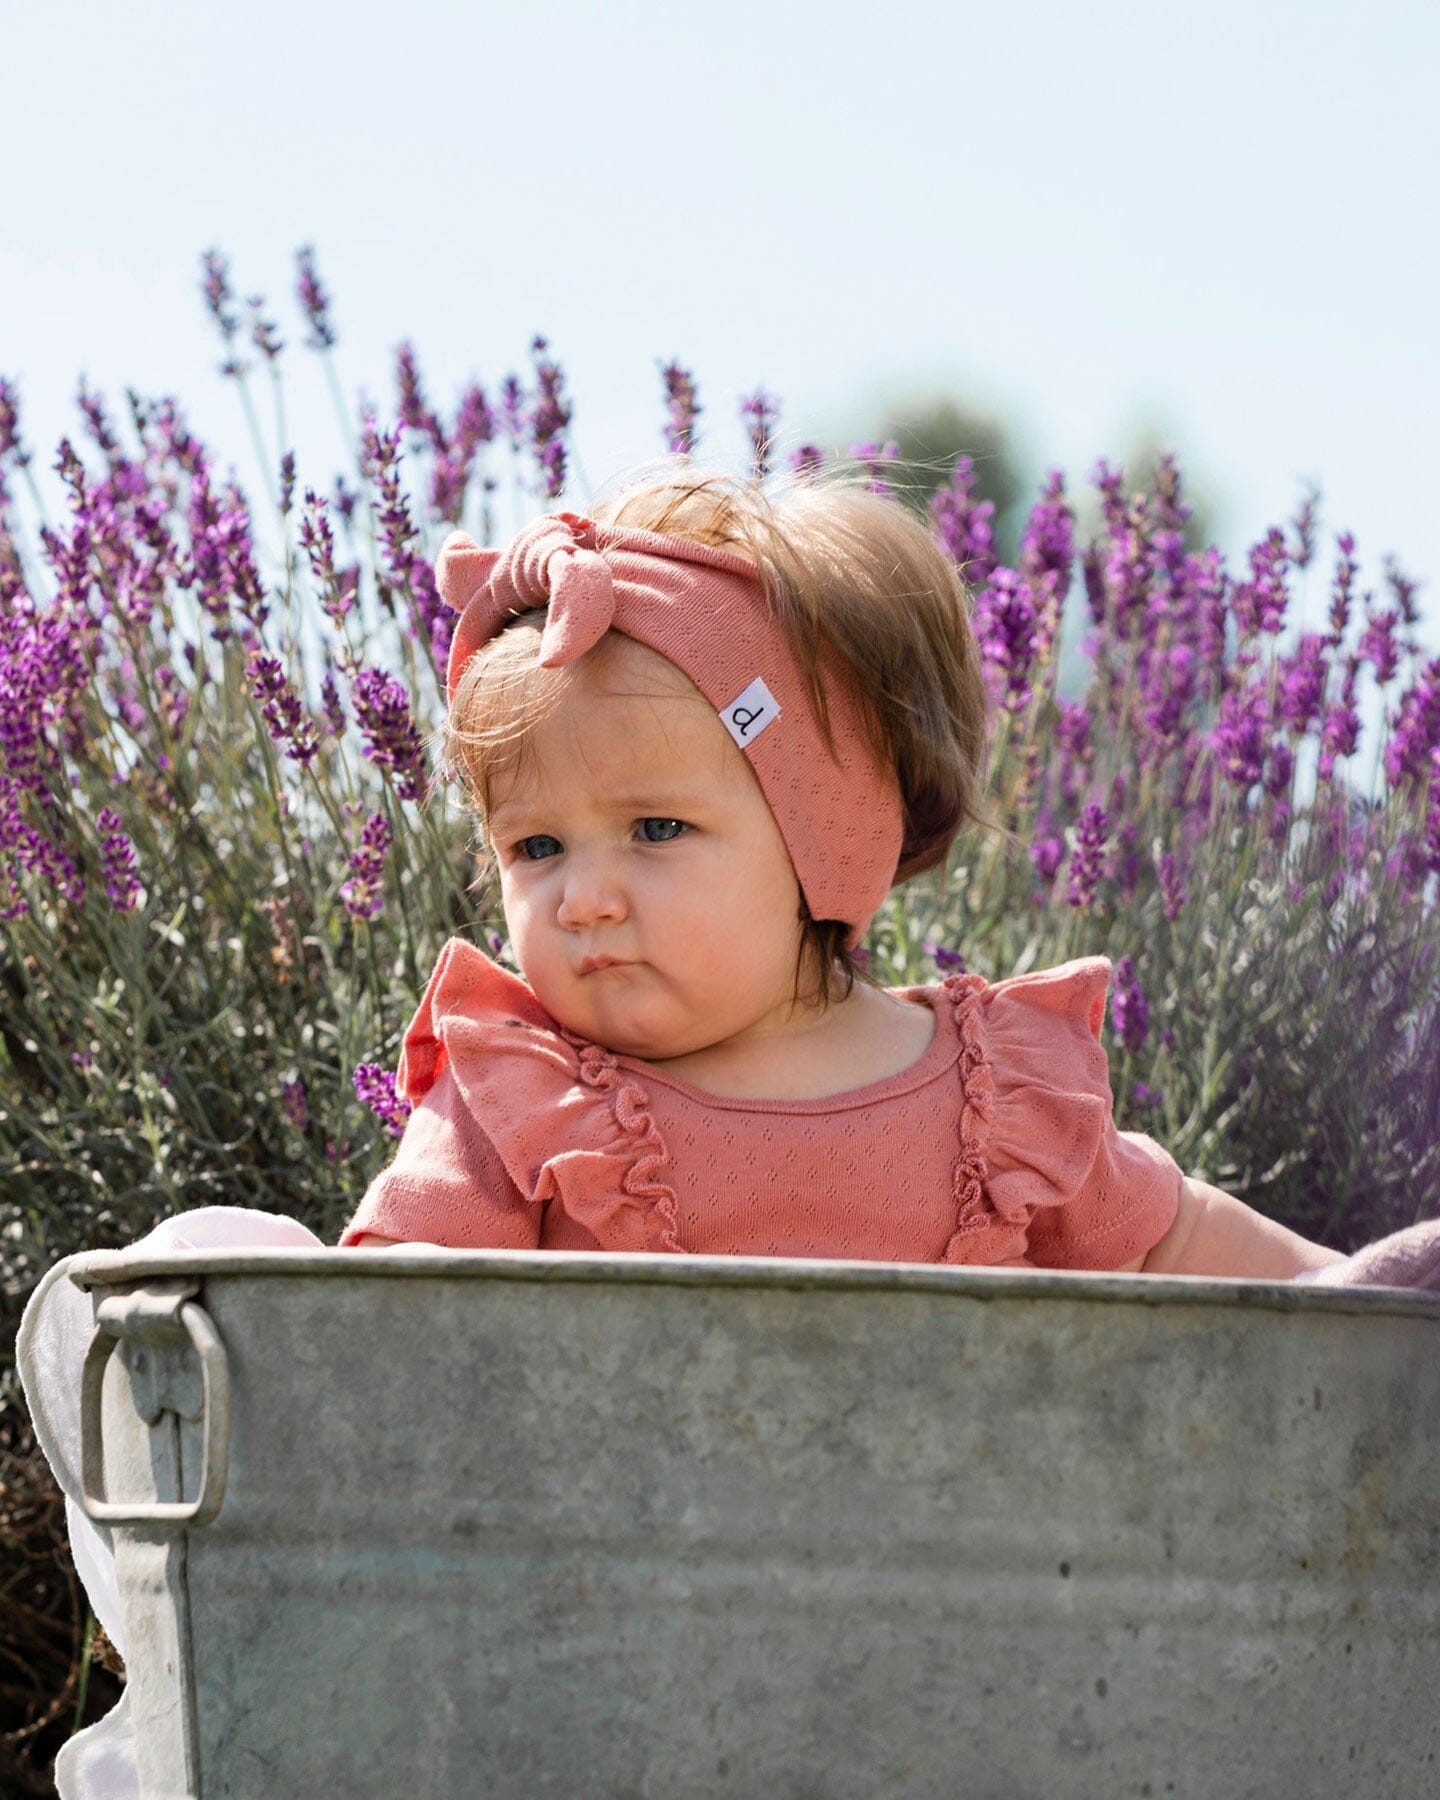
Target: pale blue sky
1220,222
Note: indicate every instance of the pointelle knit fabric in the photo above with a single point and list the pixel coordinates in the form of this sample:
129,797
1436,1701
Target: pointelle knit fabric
999,1143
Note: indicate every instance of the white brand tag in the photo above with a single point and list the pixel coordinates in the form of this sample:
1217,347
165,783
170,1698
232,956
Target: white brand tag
748,715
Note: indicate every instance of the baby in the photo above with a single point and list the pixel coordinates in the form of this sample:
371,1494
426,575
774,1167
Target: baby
705,733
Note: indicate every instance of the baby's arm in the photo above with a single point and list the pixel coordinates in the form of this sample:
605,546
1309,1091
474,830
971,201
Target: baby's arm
1216,1234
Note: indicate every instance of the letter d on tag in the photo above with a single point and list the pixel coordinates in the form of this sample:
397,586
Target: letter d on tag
749,713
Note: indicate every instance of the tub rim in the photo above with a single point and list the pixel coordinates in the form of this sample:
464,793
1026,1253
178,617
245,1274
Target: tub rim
93,1269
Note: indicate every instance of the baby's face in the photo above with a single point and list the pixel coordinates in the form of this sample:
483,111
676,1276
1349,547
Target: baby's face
650,898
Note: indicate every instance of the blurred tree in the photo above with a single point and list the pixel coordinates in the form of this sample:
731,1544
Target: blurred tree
932,433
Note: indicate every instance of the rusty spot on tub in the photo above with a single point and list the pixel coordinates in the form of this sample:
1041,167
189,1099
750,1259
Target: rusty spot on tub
1365,1524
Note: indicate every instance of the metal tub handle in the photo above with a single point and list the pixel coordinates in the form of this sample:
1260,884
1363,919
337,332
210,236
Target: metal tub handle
158,1317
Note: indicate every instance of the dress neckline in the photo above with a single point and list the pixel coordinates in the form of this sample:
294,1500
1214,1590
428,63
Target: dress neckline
933,1061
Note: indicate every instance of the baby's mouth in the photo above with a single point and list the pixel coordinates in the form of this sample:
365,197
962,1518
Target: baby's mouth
595,965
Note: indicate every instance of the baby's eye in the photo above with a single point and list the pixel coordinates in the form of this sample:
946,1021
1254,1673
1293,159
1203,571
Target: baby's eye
536,849
666,830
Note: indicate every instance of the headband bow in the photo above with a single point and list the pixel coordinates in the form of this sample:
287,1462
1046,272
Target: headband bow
552,563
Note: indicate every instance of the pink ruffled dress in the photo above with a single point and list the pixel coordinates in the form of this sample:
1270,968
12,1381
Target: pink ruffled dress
1000,1142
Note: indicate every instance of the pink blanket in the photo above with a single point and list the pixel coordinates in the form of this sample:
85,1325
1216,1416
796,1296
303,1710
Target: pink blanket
1407,1259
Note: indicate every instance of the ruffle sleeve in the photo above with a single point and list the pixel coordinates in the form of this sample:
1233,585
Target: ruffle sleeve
513,1115
1087,1195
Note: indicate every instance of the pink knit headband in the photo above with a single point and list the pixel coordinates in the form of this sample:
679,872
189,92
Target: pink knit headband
705,611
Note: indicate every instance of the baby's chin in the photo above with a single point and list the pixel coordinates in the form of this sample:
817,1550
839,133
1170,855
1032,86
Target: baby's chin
649,1040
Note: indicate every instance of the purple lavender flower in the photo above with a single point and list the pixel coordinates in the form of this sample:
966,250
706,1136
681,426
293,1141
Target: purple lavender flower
414,411
1403,589
512,411
1172,889
549,421
222,556
1430,846
330,700
682,408
1047,849
1339,734
287,480
1007,629
1304,524
1239,734
375,1088
1415,728
1210,590
364,892
22,846
10,446
71,470
380,459
117,856
391,740
474,422
177,443
1342,586
218,296
760,413
1259,604
1169,686
1131,1010
1118,570
1279,771
172,698
318,542
292,1098
127,696
1377,644
45,658
314,301
381,454
449,477
264,333
1086,854
92,406
285,718
949,962
805,461
1300,691
1072,731
1047,556
964,526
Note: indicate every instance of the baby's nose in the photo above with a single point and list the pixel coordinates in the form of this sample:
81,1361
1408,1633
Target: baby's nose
591,893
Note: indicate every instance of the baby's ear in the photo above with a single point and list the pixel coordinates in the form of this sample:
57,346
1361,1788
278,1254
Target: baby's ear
462,569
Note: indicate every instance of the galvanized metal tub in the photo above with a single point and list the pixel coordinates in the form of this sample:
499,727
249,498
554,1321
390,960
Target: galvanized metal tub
532,1523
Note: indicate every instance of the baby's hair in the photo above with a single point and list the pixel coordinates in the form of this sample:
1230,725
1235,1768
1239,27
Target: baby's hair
859,588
